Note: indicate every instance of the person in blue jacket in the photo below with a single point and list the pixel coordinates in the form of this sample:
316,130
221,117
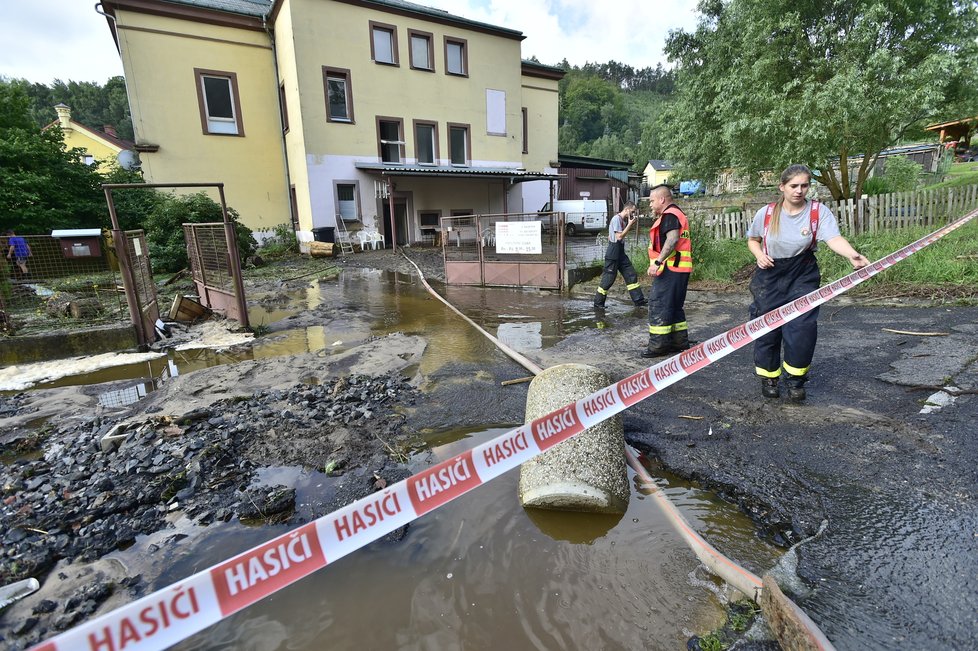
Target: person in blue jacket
18,250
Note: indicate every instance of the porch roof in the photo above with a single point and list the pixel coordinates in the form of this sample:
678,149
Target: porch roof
514,175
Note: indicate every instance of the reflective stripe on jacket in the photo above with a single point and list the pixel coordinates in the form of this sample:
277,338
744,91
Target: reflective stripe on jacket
682,258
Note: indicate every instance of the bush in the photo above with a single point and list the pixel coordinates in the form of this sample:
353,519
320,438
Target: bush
282,242
164,229
901,173
875,185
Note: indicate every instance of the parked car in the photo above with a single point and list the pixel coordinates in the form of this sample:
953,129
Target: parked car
689,188
580,215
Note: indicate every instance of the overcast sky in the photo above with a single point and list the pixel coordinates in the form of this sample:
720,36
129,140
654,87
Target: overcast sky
44,40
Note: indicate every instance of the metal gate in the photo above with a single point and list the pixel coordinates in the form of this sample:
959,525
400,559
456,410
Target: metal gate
212,250
137,279
504,250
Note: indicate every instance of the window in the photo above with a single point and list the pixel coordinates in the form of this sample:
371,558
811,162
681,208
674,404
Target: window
458,143
88,159
217,98
383,43
456,57
346,201
426,142
430,218
421,58
526,131
391,139
339,94
283,107
495,112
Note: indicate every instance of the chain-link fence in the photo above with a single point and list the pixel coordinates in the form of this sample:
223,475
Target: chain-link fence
65,282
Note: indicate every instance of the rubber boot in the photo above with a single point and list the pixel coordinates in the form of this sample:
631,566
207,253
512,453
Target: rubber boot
769,387
659,345
680,340
599,299
796,387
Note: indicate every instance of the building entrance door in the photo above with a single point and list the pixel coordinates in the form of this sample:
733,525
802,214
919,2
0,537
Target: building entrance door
400,221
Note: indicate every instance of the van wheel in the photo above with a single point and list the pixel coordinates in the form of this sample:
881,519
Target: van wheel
570,229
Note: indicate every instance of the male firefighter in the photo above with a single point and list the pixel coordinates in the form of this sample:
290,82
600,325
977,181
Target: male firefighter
616,260
670,264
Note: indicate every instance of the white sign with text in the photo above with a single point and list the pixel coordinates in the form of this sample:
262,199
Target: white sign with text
518,237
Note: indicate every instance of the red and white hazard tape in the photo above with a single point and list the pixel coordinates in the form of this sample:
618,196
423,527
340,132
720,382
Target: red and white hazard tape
174,613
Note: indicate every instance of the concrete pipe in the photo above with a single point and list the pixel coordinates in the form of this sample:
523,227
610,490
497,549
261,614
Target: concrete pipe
586,473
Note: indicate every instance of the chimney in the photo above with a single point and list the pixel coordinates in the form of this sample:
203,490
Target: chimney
108,129
64,116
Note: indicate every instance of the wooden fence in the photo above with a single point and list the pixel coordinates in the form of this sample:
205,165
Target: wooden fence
871,214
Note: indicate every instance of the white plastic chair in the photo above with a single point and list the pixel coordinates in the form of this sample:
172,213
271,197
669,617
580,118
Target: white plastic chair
363,237
375,238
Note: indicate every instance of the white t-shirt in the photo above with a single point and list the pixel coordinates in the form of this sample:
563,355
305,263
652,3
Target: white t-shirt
795,230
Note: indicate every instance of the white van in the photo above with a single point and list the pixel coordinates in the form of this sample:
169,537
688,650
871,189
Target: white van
581,215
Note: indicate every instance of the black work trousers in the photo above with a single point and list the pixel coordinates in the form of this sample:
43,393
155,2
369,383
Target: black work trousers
666,304
616,261
787,280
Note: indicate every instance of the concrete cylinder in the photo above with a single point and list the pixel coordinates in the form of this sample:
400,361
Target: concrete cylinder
586,473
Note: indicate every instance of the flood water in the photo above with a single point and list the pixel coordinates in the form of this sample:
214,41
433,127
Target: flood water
481,572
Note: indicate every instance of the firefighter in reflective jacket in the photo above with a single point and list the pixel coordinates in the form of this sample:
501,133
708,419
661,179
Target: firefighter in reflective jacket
616,260
783,238
670,264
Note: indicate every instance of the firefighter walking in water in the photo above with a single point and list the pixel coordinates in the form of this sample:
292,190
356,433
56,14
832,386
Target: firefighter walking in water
670,265
616,260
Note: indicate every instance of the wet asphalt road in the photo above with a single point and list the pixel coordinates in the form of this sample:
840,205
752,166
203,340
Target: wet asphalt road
893,488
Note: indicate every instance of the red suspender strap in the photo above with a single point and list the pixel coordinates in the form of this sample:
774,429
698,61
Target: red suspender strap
814,222
767,225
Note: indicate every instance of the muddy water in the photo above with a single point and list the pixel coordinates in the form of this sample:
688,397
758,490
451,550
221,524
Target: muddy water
481,572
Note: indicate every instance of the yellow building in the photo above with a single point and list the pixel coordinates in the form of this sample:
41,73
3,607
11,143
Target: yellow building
327,112
102,147
657,172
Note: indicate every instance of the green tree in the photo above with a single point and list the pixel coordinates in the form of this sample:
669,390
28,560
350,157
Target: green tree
590,105
765,83
43,185
164,228
93,105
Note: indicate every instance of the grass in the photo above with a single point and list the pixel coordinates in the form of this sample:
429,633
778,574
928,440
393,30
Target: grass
950,262
948,268
959,174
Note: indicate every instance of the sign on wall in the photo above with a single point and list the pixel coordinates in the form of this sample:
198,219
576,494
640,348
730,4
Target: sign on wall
518,237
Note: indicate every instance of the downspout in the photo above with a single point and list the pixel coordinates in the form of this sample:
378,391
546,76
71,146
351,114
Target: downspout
293,219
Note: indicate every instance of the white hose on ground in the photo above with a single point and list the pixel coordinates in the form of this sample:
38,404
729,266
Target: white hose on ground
741,579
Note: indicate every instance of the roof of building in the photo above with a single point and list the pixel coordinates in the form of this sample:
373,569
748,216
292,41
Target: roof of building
394,169
94,133
941,125
259,8
588,162
661,165
243,7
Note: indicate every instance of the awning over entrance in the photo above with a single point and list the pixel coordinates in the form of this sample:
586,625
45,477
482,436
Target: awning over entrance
512,174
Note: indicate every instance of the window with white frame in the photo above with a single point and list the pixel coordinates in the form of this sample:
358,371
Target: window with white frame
219,104
346,202
458,144
456,57
391,139
421,57
339,94
425,142
383,43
